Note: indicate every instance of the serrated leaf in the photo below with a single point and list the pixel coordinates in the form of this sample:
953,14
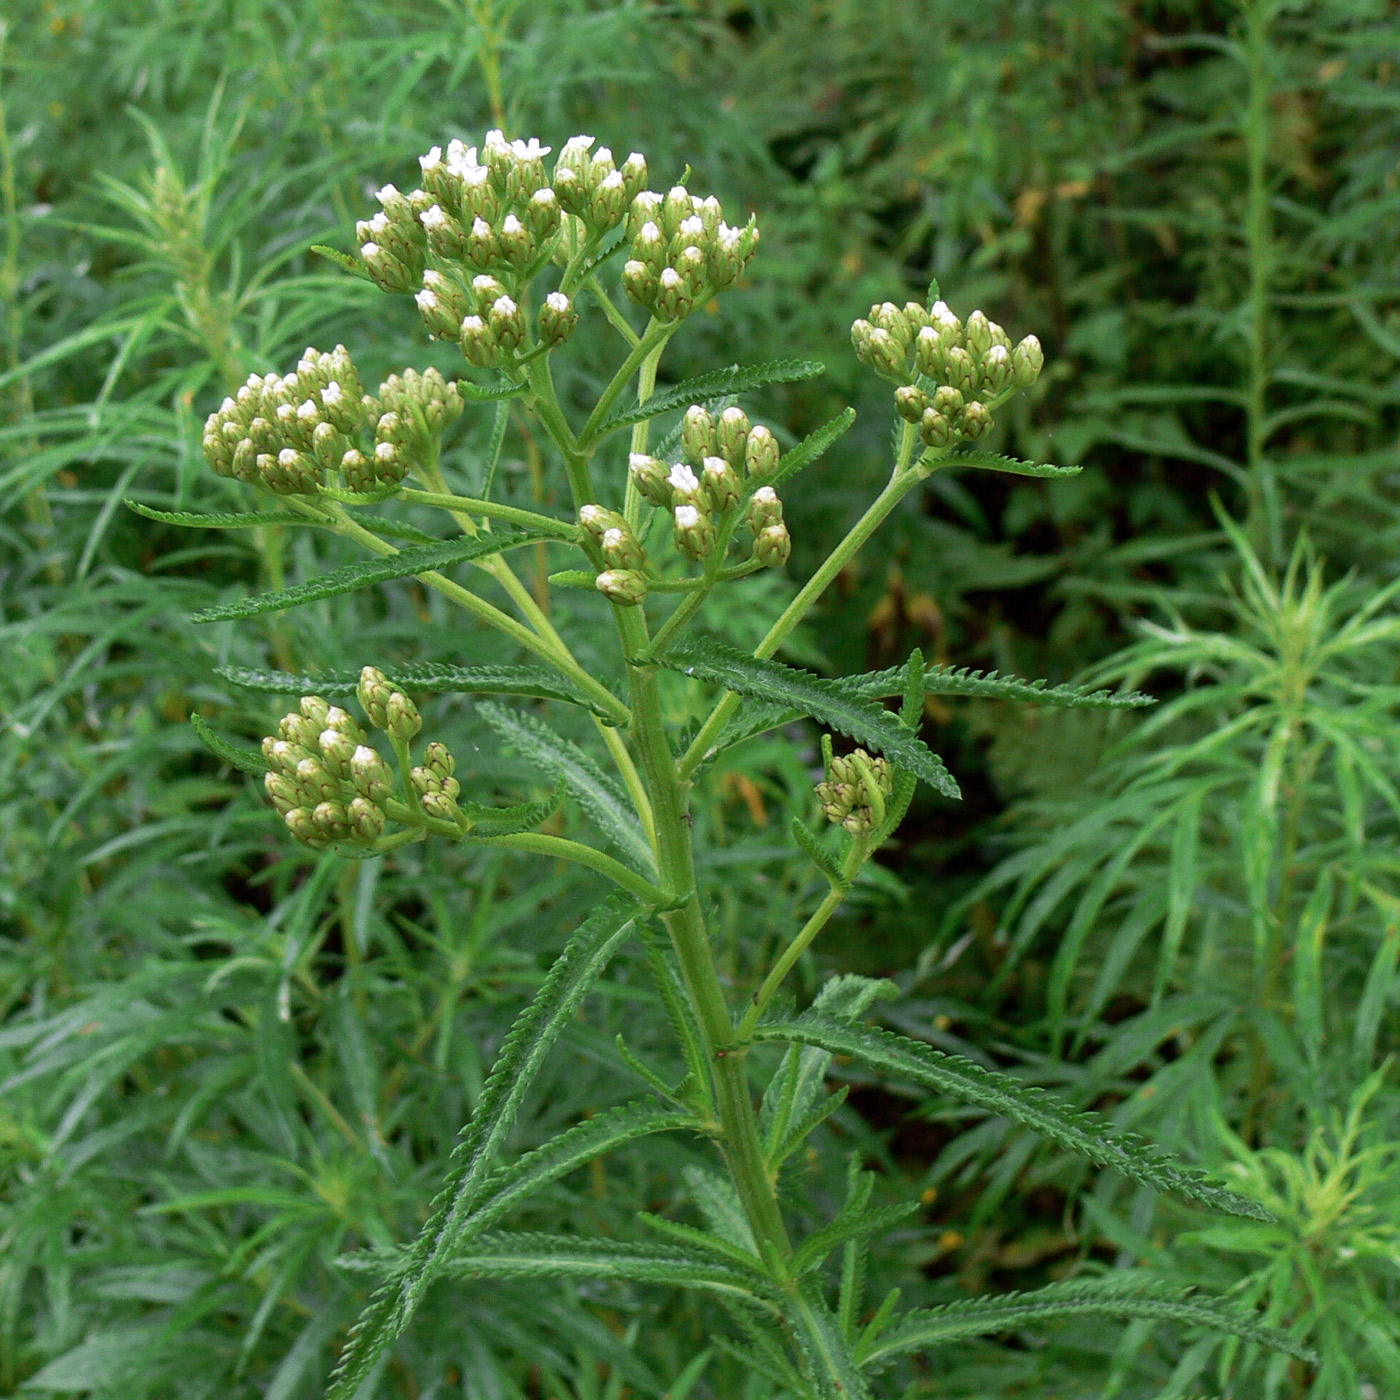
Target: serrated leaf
507,821
995,462
246,760
719,1245
432,677
818,854
822,1341
863,720
737,379
567,1256
594,791
814,445
222,520
1089,1134
530,1039
849,1226
343,261
980,1317
476,393
989,685
421,559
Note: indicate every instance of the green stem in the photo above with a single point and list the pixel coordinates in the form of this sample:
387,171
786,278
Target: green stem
493,510
618,320
562,849
641,434
655,338
901,482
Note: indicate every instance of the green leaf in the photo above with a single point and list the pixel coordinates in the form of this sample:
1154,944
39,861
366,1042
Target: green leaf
1089,1134
506,821
530,1039
246,760
825,1348
850,1225
813,446
476,393
989,685
421,559
594,791
716,384
223,520
432,677
995,462
817,853
980,1317
343,261
567,1256
863,720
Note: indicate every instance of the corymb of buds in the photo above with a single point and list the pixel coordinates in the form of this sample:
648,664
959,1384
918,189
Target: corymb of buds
437,789
387,707
326,782
950,375
425,404
853,794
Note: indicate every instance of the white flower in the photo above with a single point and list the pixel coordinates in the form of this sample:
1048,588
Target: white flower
612,539
682,478
557,301
687,517
472,174
434,217
692,227
384,451
511,225
427,300
431,161
380,222
388,194
649,231
670,277
332,394
503,306
288,456
577,145
472,325
307,410
530,150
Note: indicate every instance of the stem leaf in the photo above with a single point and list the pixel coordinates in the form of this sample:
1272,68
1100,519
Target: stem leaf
421,559
222,520
814,445
995,462
245,760
736,379
990,685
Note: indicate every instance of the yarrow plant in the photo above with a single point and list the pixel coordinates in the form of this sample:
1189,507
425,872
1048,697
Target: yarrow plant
502,256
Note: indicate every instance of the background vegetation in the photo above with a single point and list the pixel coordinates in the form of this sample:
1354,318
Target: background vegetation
224,1060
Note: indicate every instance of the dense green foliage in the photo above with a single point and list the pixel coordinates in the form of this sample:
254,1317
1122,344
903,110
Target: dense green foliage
227,1061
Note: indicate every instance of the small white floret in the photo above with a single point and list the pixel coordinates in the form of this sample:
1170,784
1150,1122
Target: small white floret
682,478
687,517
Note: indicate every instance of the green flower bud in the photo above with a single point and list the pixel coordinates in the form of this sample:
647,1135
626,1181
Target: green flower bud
695,532
571,191
574,155
622,549
478,344
342,400
764,509
313,779
609,202
910,402
634,175
438,759
886,355
732,435
316,710
1027,360
854,791
598,520
332,820
625,587
917,316
507,323
639,282
890,319
649,473
369,774
442,806
977,335
290,473
699,438
720,483
975,421
337,749
284,793
730,252
772,546
401,718
517,243
934,429
328,446
646,209
365,820
557,319
388,464
342,722
996,370
486,289
761,453
684,485
542,213
961,371
263,434
303,826
373,692
948,401
441,315
297,729
678,206
357,471
674,300
482,247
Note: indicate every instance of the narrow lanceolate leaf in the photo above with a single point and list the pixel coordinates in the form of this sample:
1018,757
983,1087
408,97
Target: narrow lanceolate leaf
342,260
980,1317
863,720
591,788
830,1362
222,520
737,379
532,1036
246,760
989,685
480,393
508,1186
818,854
537,682
813,446
507,821
421,559
566,1256
995,462
1089,1134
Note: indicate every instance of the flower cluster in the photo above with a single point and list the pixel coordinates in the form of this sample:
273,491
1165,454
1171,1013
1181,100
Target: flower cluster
950,375
855,790
681,251
332,787
289,433
718,483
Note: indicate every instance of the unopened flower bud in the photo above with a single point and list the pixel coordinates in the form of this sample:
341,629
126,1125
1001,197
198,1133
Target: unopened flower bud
761,453
961,372
481,247
910,402
772,546
678,206
402,721
315,709
1027,360
732,435
284,793
389,272
336,751
388,464
720,483
929,351
639,282
442,806
297,729
445,235
650,475
695,532
975,421
622,549
478,344
542,213
764,509
571,190
625,587
516,241
996,369
684,485
357,471
303,826
934,429
609,202
328,446
634,175
699,438
373,693
673,299
369,774
977,335
439,316
313,779
332,820
890,319
365,819
557,319
507,323
947,400
598,520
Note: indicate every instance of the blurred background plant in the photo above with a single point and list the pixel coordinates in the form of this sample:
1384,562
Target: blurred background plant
221,1059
